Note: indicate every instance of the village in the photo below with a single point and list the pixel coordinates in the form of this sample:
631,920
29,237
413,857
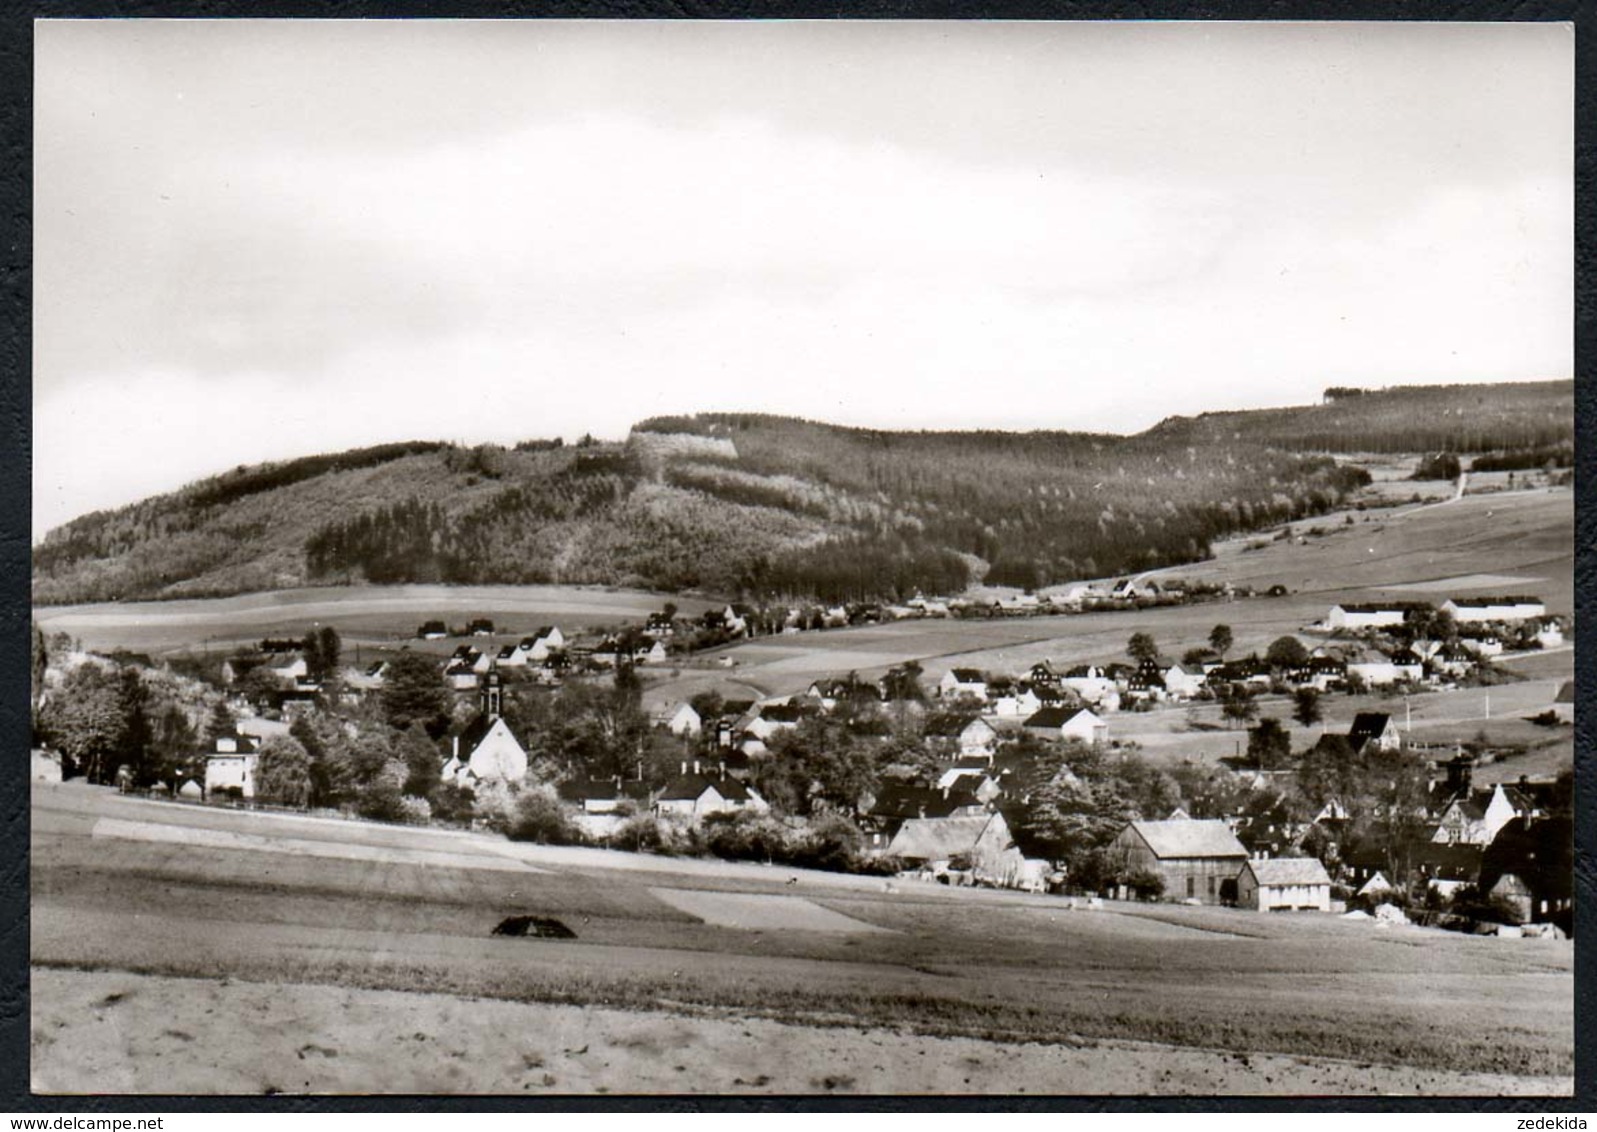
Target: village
1031,780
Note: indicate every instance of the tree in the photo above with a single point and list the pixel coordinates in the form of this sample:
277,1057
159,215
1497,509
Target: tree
1269,745
414,691
1142,648
1306,706
133,743
1220,640
1237,704
1286,652
283,772
220,722
39,662
424,763
84,718
173,743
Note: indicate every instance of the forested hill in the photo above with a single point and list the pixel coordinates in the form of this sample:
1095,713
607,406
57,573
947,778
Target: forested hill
762,506
1407,418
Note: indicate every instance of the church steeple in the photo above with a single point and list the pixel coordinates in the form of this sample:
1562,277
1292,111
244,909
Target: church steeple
492,694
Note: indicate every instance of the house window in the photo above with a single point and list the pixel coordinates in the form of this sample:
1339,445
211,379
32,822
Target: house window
1192,886
1211,886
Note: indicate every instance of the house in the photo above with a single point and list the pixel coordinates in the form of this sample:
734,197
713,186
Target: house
1374,727
1043,675
1068,723
1089,682
684,721
1013,700
1549,635
486,751
1376,668
773,718
692,796
898,802
230,765
1197,860
1531,865
433,631
1508,610
980,843
972,734
963,682
1183,681
1375,615
1322,673
1284,884
972,780
548,639
481,627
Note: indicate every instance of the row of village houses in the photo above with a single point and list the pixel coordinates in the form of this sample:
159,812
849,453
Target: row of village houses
548,655
961,821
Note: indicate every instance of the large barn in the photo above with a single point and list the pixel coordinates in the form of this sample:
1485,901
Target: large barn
1197,860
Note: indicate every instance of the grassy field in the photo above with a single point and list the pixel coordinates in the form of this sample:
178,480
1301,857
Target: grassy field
1525,536
950,963
364,614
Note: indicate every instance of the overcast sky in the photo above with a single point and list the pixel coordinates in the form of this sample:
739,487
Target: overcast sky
257,240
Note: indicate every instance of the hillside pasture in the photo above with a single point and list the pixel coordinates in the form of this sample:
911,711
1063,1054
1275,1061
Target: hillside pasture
1473,542
1392,1010
365,614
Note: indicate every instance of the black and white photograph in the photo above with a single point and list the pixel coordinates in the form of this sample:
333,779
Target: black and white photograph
802,558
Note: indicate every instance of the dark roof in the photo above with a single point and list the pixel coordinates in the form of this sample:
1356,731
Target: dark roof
782,713
1566,693
736,707
1052,716
949,727
687,787
590,790
1383,606
968,675
246,745
1366,726
474,733
1483,602
897,800
1541,853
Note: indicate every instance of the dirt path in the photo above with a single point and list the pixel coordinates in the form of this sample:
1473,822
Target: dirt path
117,1032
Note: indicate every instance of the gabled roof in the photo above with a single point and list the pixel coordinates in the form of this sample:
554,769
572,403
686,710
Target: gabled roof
950,727
477,730
1566,693
1177,839
1053,717
968,675
938,839
897,800
688,787
782,713
1367,725
1487,602
1289,870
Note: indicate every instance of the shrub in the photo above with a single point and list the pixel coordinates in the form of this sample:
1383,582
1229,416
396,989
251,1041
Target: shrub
539,816
1145,884
414,810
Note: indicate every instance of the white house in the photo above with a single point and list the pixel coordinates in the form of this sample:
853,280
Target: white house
1184,681
693,796
1284,884
963,682
1376,615
1090,683
1550,635
231,765
684,721
1017,702
1473,610
1069,723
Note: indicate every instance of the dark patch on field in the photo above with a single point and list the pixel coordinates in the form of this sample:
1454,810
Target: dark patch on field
544,927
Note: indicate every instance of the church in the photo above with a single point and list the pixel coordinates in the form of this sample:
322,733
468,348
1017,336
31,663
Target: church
486,751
